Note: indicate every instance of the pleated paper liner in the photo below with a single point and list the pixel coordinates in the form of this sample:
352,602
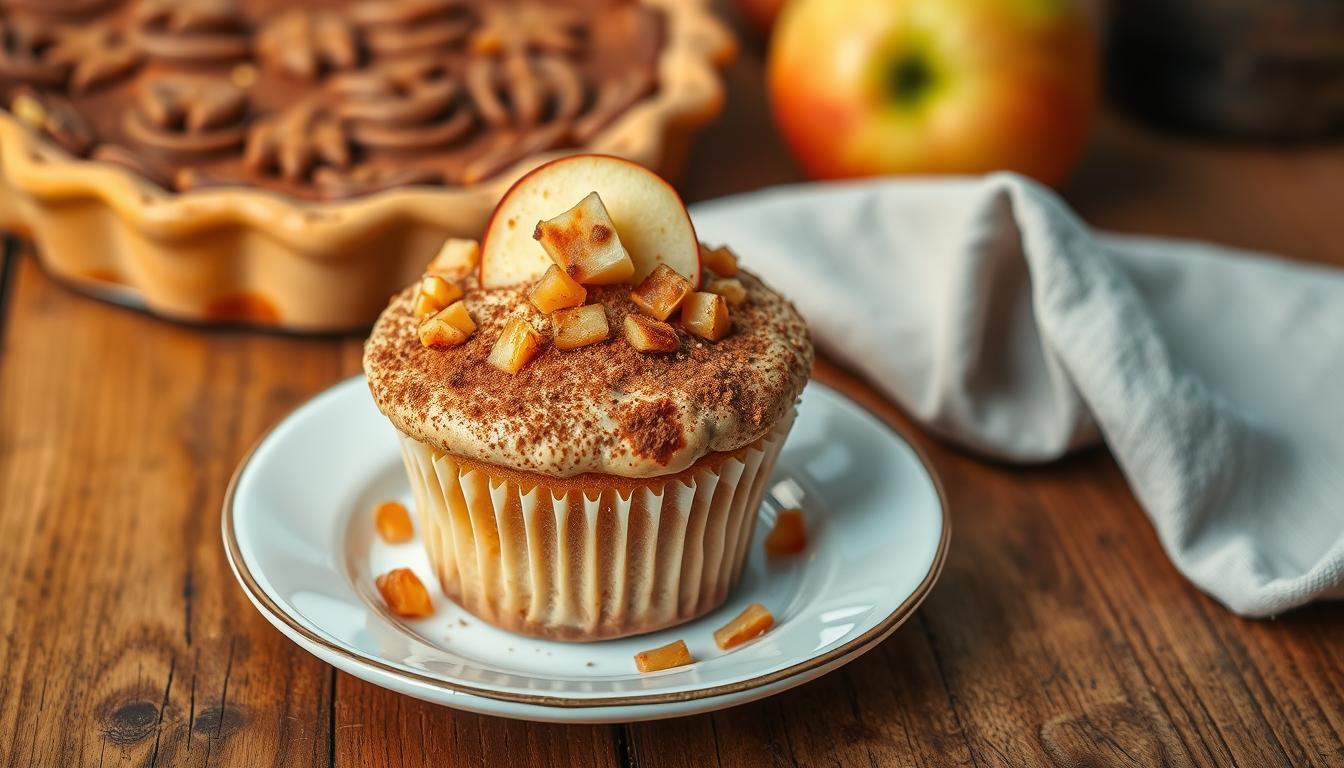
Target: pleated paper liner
588,561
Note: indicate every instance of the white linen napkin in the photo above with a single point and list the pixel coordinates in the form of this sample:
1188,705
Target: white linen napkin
1000,322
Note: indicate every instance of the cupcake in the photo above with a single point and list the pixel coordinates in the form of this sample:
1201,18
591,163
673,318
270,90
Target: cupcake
589,405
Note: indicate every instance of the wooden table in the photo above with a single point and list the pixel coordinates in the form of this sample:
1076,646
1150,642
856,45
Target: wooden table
1058,635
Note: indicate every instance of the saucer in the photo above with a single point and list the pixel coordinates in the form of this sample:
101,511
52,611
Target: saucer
299,535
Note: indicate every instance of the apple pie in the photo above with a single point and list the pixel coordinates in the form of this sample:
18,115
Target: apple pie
293,163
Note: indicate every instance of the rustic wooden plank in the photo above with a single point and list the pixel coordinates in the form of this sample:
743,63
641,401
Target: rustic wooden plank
1185,646
376,728
1024,653
890,707
123,635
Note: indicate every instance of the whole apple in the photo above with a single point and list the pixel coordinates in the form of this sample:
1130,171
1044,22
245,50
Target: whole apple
869,87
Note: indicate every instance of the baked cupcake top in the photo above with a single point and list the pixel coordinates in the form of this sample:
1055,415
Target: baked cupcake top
605,407
599,339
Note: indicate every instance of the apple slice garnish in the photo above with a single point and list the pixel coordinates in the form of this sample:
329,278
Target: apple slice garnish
647,212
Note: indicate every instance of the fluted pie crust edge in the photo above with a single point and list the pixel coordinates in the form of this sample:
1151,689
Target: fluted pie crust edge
247,256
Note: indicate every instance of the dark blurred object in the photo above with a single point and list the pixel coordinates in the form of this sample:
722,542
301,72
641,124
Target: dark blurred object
760,14
1256,69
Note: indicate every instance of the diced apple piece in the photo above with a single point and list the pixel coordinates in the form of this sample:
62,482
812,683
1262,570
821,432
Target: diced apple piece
661,292
674,654
518,343
648,335
437,334
424,306
579,327
436,293
404,593
556,290
751,623
721,261
456,259
730,288
789,536
449,327
583,241
706,315
393,523
456,315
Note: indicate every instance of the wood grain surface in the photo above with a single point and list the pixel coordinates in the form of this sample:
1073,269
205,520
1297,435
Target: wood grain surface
1059,634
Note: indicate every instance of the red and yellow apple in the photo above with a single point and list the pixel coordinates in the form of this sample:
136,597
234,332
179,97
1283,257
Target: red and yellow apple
870,87
555,203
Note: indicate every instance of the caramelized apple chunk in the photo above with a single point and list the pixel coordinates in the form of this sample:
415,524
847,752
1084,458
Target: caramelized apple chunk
584,243
393,523
424,306
579,327
436,293
404,593
674,654
449,327
789,536
661,292
556,290
436,334
648,335
518,343
730,288
456,259
751,623
721,261
706,315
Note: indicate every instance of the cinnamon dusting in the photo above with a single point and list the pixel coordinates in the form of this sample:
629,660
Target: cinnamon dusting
653,430
605,407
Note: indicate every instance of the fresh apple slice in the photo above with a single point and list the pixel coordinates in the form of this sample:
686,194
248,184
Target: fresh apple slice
649,216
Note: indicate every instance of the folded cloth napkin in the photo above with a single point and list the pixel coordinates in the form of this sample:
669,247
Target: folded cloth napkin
995,317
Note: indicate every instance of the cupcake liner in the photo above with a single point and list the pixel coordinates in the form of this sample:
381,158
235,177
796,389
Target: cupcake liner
588,561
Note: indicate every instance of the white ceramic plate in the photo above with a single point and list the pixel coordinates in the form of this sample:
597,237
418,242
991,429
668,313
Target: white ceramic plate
299,534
